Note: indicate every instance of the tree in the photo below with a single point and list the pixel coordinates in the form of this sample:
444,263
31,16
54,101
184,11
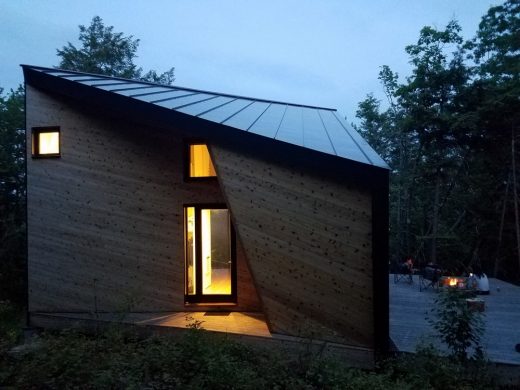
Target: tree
421,136
496,50
12,195
104,51
451,134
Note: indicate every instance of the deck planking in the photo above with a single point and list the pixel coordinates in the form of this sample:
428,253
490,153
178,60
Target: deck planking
409,326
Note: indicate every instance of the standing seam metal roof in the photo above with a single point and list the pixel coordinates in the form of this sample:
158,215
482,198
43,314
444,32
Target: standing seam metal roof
316,128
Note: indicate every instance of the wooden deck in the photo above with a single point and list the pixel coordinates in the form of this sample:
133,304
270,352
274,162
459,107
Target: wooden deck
408,324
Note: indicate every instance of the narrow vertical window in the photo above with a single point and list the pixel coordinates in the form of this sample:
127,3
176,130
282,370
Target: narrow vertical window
191,279
200,164
46,142
210,254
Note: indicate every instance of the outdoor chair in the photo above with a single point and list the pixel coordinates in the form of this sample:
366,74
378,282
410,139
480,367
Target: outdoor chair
430,277
403,273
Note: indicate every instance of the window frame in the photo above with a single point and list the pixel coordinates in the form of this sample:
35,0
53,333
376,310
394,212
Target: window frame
199,297
187,177
35,141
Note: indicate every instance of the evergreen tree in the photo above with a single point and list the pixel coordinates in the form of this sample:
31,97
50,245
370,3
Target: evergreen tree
104,51
12,195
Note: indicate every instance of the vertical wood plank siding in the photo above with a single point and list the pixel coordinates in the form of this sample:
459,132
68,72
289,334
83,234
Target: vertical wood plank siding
105,220
308,242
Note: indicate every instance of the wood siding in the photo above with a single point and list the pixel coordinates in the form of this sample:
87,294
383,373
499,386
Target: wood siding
105,220
308,241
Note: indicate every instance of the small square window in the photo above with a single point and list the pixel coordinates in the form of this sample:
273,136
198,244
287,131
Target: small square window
46,141
200,164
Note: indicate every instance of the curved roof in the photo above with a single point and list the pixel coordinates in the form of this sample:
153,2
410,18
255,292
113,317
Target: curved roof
316,128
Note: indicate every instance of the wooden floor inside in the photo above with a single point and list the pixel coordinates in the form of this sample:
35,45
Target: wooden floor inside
409,308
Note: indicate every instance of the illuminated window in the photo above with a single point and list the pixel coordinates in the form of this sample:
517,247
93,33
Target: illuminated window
46,142
210,254
200,164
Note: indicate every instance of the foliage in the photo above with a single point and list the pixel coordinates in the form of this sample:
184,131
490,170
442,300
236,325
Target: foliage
428,369
117,358
446,132
10,332
457,325
104,51
12,195
9,325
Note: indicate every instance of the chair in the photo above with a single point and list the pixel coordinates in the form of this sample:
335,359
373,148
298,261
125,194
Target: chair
403,272
430,277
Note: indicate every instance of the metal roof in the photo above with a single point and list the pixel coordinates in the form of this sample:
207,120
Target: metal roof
311,127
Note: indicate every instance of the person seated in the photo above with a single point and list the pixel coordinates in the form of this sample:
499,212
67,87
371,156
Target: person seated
407,266
432,272
479,281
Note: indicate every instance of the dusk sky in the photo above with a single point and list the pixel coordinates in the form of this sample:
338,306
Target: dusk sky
325,53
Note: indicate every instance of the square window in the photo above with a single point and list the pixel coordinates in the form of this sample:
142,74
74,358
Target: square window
200,164
46,141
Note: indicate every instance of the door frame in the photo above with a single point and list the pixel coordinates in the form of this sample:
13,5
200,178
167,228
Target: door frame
199,297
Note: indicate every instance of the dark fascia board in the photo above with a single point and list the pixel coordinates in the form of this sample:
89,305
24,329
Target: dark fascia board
98,76
380,255
123,107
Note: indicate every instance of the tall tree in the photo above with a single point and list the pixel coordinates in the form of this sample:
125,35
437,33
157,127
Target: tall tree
496,50
451,135
104,51
12,195
430,100
424,134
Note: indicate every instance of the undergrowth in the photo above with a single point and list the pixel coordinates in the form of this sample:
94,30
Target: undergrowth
116,358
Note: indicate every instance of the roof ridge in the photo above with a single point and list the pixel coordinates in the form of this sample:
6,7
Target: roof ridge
50,70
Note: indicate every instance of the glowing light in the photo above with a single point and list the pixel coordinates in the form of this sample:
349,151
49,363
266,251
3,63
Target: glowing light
49,143
200,162
190,250
208,251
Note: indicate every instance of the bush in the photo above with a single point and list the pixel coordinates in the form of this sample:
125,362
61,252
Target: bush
10,319
116,358
457,325
429,369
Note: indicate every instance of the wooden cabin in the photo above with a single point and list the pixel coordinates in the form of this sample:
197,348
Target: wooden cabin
148,198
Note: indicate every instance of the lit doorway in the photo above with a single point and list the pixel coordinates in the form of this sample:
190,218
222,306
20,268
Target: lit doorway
210,254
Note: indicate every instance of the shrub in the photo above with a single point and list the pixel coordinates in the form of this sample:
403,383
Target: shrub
429,369
117,359
457,325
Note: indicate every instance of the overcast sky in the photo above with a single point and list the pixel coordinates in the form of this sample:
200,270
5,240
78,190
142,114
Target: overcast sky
325,53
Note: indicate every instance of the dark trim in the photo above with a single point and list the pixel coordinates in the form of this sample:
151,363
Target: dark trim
186,161
26,314
198,297
380,215
325,166
35,138
40,69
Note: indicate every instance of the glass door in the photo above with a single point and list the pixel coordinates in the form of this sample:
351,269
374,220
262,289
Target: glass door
210,255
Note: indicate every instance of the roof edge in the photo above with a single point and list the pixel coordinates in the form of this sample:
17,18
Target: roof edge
44,69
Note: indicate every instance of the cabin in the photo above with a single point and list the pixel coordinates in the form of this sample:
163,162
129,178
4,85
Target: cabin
159,200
